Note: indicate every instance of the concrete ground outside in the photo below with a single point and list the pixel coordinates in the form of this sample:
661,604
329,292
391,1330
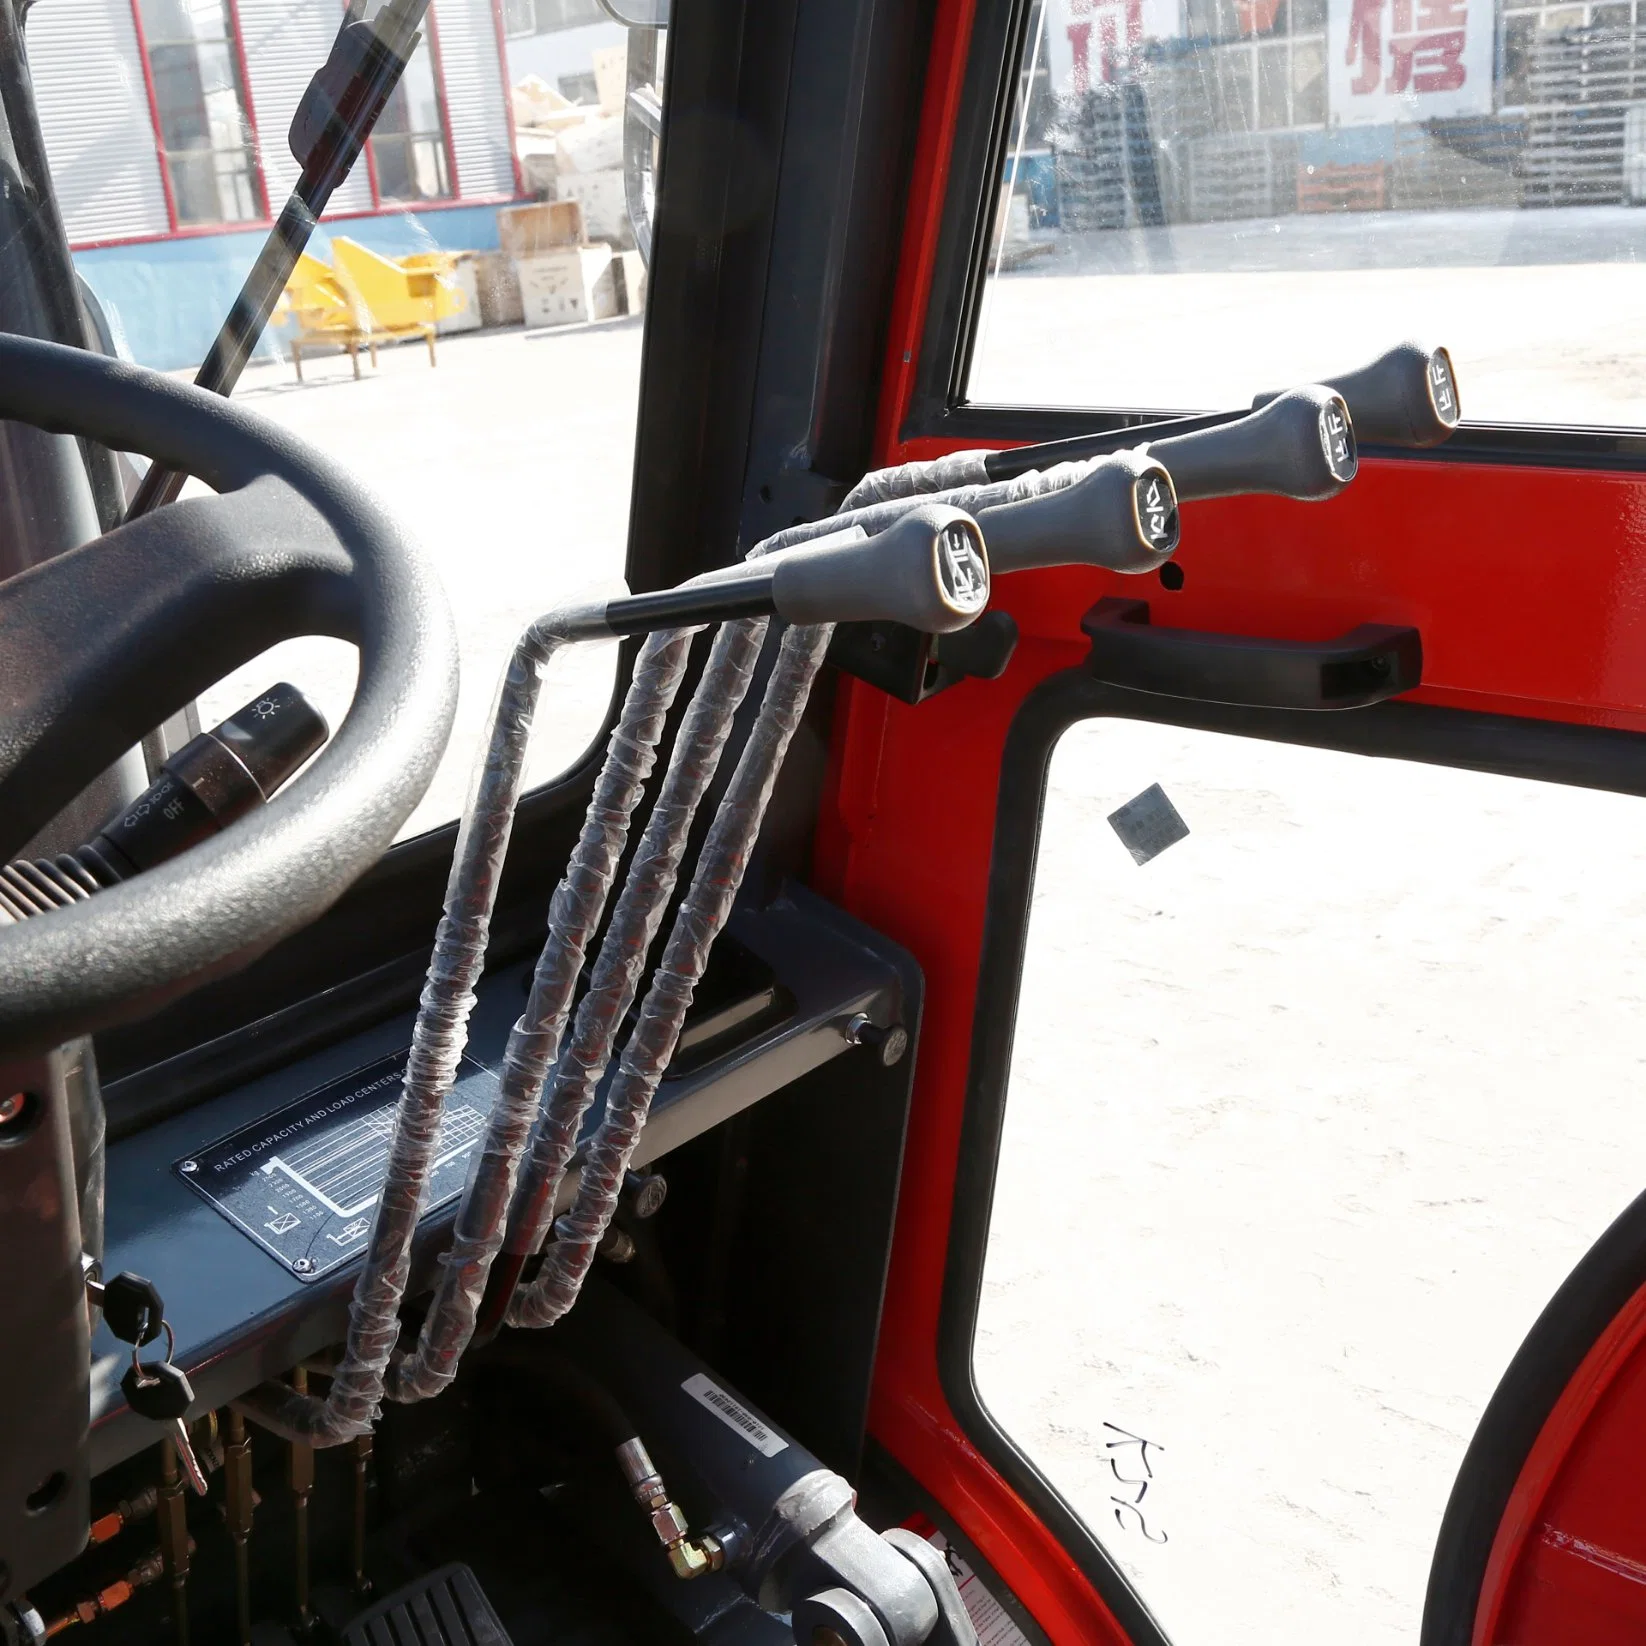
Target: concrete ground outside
1544,311
1340,1086
1308,1119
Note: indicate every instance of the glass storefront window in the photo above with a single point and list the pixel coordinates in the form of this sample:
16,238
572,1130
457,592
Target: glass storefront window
200,107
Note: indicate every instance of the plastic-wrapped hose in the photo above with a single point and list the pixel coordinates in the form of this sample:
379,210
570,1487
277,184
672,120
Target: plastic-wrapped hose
939,474
356,1393
720,869
534,1042
639,911
876,517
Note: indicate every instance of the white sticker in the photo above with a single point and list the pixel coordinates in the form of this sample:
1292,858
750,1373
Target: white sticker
706,1392
992,1621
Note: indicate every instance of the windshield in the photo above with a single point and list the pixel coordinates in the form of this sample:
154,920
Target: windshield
1270,191
462,331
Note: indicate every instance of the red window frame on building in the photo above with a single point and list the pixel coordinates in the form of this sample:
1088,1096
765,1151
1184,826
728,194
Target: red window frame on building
179,213
446,163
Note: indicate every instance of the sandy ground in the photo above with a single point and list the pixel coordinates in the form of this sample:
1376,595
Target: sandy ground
1340,1086
1309,1116
1544,312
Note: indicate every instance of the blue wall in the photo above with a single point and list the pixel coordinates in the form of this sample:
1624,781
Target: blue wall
165,299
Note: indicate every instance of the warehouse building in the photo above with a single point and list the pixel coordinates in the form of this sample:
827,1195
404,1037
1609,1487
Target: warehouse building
166,124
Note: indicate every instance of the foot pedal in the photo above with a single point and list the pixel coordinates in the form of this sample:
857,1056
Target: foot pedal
446,1607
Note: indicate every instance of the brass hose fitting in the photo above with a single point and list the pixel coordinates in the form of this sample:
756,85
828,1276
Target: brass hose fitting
689,1557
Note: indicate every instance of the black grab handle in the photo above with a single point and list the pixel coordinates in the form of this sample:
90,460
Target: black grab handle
1365,666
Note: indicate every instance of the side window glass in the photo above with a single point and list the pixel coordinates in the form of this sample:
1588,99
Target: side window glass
1206,199
464,332
1308,1117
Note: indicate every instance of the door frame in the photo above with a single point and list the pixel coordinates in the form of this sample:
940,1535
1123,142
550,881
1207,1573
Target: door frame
1614,1270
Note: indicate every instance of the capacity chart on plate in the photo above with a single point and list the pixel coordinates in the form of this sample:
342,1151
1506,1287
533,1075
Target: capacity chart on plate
304,1181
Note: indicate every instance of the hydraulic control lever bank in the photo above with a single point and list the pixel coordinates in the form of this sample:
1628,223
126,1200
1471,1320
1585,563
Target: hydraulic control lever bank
1301,444
787,1533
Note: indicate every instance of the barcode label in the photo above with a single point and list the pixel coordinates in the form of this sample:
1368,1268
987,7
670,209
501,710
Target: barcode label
706,1392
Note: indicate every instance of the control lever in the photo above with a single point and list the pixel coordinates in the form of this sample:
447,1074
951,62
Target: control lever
928,568
1300,445
1122,516
213,779
1405,397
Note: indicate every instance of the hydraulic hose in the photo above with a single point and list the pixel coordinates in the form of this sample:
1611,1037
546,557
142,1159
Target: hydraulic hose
622,960
930,569
356,1393
719,874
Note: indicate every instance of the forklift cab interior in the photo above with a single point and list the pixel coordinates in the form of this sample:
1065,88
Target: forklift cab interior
860,1219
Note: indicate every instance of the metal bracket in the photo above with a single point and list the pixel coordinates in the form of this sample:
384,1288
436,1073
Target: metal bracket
911,666
44,1382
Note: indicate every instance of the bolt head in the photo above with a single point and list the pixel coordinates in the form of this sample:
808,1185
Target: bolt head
302,1265
189,1167
648,1191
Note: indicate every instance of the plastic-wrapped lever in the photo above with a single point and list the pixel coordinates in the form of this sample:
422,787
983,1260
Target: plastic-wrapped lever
1122,515
1301,445
1406,397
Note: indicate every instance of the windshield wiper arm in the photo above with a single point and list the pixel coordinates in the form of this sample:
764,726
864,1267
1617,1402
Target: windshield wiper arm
334,118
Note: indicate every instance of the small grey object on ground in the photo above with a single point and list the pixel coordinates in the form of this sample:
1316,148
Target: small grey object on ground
1148,824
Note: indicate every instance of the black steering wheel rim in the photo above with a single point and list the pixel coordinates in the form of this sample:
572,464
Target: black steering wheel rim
293,546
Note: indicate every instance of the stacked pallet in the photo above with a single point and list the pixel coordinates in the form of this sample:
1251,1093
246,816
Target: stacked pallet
1580,83
1090,148
1241,174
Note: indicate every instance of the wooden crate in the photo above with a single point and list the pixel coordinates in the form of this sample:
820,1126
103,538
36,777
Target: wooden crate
498,287
530,231
572,284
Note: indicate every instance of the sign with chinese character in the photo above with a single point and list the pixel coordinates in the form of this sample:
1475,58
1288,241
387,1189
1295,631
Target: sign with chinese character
1405,60
1086,40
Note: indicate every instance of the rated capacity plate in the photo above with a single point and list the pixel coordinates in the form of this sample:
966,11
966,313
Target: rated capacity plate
303,1182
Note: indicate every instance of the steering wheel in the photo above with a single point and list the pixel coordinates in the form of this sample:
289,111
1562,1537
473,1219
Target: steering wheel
100,645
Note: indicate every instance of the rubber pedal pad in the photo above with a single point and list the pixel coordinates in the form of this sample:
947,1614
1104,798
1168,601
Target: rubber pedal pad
445,1607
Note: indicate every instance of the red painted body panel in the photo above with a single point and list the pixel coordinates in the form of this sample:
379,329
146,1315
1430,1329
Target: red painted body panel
1569,1563
1528,586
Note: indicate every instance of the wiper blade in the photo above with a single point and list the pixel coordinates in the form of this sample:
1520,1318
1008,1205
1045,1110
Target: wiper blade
334,118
